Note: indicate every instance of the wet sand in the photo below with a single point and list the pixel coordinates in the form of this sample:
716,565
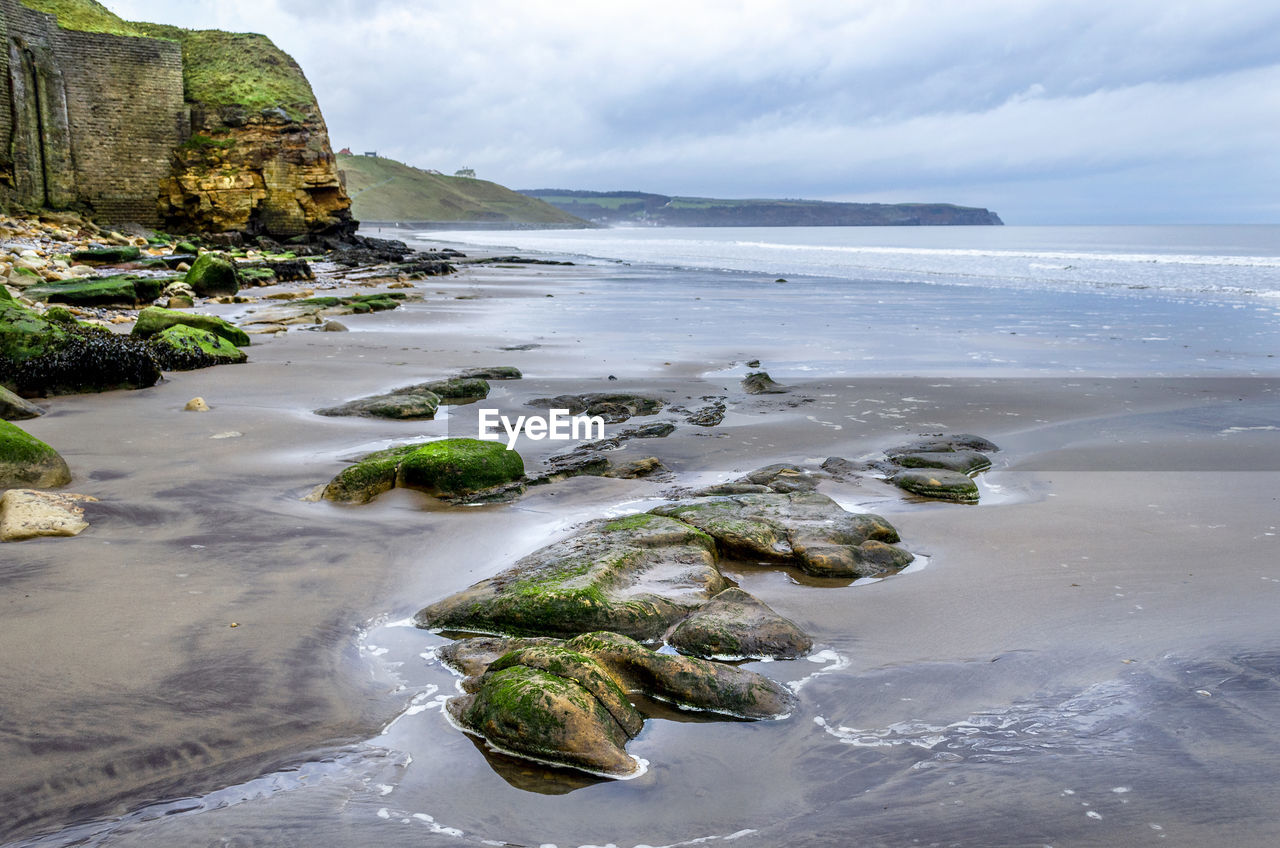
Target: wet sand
1053,646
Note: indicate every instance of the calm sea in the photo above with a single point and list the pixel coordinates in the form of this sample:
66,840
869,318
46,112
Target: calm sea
1226,261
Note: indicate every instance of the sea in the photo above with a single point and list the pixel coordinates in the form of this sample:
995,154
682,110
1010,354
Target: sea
1192,261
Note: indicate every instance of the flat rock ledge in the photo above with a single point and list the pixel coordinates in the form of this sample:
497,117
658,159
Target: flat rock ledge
27,514
566,703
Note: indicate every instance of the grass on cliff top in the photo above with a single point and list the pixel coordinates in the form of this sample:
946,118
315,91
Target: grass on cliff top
386,190
237,69
84,16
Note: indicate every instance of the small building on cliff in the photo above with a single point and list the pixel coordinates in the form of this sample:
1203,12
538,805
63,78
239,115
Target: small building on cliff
138,122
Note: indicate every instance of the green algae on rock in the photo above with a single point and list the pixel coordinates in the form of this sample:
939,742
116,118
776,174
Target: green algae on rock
122,290
154,320
112,255
453,391
635,576
565,703
184,348
445,467
213,274
25,461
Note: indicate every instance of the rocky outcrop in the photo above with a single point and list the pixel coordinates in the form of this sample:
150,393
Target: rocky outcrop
566,703
27,461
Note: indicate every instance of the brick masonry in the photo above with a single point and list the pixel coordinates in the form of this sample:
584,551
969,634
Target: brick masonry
86,119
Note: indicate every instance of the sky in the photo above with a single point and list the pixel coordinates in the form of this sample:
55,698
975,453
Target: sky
1062,112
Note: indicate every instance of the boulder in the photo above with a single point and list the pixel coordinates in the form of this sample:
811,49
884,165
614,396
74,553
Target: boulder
760,383
805,529
734,625
184,348
636,468
937,484
453,391
213,274
399,405
154,320
106,255
949,442
496,372
123,290
14,408
566,703
966,462
25,461
449,467
291,270
26,514
635,576
613,407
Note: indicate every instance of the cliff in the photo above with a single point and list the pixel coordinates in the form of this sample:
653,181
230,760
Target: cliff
383,189
633,207
186,130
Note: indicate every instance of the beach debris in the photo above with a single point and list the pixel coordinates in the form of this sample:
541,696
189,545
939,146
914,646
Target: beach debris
450,468
196,404
760,383
25,461
27,514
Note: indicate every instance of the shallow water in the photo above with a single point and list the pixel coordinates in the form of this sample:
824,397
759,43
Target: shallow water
1101,622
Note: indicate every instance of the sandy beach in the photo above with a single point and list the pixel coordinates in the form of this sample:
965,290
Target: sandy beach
1086,657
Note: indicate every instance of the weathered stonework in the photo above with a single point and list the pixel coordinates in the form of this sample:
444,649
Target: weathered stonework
98,123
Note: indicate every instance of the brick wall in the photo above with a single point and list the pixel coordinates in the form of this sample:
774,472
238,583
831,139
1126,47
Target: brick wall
108,112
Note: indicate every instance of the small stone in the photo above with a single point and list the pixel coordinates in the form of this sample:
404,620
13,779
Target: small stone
760,383
27,513
334,327
196,404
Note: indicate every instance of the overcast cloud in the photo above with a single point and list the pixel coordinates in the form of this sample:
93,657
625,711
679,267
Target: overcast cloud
1047,112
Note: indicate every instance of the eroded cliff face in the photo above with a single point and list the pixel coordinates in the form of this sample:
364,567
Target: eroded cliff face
263,174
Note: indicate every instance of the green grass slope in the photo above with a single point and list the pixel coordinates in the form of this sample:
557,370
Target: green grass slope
387,190
83,16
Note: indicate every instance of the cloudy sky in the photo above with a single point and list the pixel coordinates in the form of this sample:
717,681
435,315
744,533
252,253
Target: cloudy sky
1118,111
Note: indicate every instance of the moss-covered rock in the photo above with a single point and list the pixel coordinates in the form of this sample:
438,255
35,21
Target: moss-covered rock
565,703
937,484
122,290
378,302
185,348
213,274
399,406
734,625
804,529
154,320
456,390
459,466
106,255
540,716
636,576
40,357
25,461
446,467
